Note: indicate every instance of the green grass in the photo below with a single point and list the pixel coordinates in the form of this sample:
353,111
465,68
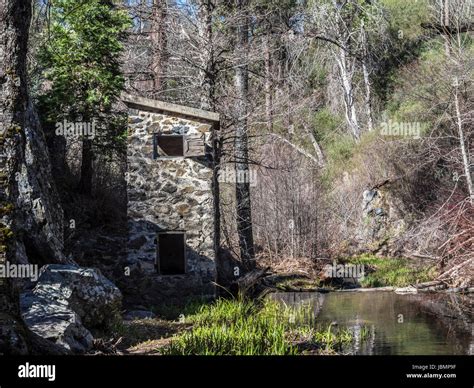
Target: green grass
335,337
399,272
242,327
234,327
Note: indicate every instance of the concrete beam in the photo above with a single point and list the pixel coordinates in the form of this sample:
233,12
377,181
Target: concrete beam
141,102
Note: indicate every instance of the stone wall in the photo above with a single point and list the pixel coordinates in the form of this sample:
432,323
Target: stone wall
163,195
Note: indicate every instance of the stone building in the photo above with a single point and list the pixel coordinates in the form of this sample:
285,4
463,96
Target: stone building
170,207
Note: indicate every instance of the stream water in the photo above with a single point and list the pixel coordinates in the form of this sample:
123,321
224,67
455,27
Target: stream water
422,324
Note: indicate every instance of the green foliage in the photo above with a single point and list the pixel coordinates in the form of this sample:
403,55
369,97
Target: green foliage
407,16
6,208
326,126
81,54
339,147
423,90
403,43
336,337
5,235
80,58
399,272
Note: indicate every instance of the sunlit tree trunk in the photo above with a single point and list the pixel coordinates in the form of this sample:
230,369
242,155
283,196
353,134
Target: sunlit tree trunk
346,74
462,143
159,44
366,74
268,83
244,213
208,75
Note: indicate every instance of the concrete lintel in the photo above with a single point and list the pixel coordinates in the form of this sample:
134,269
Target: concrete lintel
142,102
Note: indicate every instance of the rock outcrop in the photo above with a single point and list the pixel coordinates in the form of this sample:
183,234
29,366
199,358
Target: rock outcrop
67,302
41,216
30,213
382,222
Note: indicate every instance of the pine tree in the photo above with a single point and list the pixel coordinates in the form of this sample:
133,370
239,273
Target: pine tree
81,62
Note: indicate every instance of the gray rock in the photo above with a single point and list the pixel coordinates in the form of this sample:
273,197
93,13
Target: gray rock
169,188
138,314
381,222
137,242
67,302
90,294
55,321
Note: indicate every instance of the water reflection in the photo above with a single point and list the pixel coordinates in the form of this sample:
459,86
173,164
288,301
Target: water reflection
394,324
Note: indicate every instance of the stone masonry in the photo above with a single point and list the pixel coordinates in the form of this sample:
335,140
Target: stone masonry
169,194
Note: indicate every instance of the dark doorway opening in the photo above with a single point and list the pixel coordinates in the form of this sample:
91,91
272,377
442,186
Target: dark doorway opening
171,253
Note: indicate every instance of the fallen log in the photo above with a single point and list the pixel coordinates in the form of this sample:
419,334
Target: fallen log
433,288
406,290
428,284
416,256
467,290
367,289
251,279
279,277
456,267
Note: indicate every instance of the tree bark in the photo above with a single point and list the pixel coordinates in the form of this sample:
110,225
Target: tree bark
159,42
85,183
208,76
207,65
316,146
462,144
366,74
368,96
346,73
15,17
268,83
244,213
300,150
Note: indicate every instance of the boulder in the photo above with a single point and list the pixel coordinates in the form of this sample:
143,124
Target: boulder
55,321
90,294
67,302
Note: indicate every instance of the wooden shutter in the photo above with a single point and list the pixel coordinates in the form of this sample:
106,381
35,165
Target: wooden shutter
194,145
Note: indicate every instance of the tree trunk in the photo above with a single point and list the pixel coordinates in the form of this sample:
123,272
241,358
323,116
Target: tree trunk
208,102
368,97
244,213
445,23
268,84
15,17
366,74
346,73
85,183
462,144
316,146
159,42
207,72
